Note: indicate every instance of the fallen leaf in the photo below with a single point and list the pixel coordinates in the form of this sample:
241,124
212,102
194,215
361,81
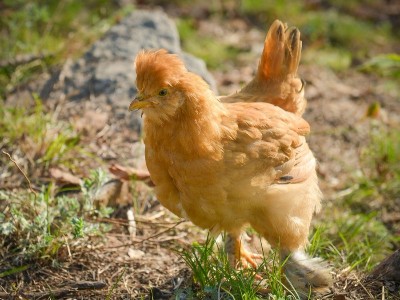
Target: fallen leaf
373,110
64,177
135,253
127,173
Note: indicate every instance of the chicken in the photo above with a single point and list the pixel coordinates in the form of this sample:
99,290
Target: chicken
225,163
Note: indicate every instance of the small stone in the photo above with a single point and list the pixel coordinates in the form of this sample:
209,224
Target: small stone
135,253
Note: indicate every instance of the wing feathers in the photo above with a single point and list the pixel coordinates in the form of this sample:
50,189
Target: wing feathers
270,135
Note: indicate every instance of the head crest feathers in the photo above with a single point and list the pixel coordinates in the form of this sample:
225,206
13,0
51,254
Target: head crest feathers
157,68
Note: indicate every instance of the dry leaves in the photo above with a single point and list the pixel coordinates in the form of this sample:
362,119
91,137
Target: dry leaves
64,177
127,173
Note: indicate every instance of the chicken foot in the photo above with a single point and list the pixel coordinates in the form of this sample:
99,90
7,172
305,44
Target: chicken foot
238,254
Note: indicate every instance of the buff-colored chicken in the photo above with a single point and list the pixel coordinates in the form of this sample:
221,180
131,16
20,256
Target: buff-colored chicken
239,160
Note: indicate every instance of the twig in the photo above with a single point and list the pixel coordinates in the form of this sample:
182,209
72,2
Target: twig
71,288
88,285
364,288
132,223
148,238
23,173
126,222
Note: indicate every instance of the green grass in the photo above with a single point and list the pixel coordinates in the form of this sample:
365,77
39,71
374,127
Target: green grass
378,181
333,58
387,65
345,239
212,51
40,136
215,278
355,234
348,239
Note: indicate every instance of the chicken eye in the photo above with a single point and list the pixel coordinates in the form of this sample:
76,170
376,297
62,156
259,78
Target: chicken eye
163,92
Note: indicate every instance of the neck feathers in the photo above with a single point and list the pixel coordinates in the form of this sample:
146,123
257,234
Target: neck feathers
195,129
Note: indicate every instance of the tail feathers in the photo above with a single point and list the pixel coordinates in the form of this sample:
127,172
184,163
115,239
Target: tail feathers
273,55
292,50
308,276
276,80
281,54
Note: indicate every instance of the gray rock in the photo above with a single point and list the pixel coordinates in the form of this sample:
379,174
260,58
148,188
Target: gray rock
105,73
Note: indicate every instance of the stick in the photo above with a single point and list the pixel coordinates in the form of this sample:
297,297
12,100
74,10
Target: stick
71,288
23,173
148,238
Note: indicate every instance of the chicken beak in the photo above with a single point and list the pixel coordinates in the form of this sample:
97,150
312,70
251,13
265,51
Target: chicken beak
138,103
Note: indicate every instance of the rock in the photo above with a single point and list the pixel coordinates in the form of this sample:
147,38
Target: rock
105,73
389,269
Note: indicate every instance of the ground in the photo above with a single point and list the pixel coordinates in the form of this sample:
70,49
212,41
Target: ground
148,265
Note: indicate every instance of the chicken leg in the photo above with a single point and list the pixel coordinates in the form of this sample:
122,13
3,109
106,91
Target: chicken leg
238,254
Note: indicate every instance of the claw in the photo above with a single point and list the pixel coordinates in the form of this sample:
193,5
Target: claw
247,258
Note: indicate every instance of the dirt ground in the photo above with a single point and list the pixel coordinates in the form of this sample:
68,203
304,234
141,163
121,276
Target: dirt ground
148,266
